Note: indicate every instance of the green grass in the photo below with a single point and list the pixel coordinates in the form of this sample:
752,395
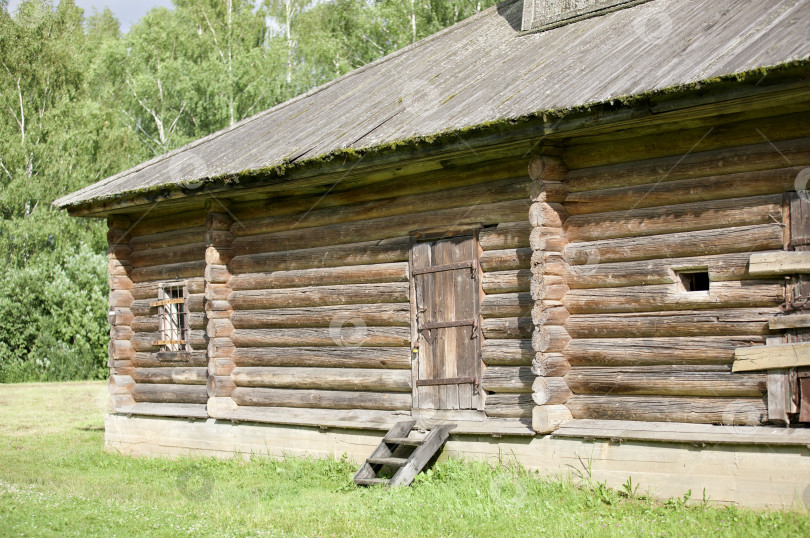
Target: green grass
56,479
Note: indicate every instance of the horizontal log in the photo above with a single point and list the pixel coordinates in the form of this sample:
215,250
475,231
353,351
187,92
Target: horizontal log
143,307
547,418
149,290
220,366
779,263
685,380
367,253
550,365
169,255
171,221
351,379
506,235
506,260
142,342
394,292
709,322
120,384
141,324
747,359
548,191
151,360
548,239
790,321
507,352
550,391
550,339
375,315
744,158
377,229
655,351
547,214
178,374
323,399
733,294
120,282
544,168
164,393
506,328
217,274
743,184
722,267
712,214
334,357
218,328
220,386
121,349
120,367
685,244
121,332
169,272
730,411
120,298
119,315
548,288
549,313
512,379
358,274
351,336
505,305
509,405
506,281
171,238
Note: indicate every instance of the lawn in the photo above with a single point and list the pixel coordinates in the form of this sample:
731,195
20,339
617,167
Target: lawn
56,479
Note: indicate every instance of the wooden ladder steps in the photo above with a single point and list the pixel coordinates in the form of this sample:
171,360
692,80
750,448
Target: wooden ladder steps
397,440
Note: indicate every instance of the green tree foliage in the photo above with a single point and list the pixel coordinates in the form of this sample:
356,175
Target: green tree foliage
80,101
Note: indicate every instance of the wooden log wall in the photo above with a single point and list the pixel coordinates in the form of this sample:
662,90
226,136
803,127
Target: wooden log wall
321,308
634,344
120,315
548,288
167,248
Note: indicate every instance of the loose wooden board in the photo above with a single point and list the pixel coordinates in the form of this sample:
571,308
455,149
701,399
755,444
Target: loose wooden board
779,263
747,359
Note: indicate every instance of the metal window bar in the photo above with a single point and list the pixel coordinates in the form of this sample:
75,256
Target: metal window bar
173,318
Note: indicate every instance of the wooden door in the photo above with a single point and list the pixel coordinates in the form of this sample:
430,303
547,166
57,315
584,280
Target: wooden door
446,285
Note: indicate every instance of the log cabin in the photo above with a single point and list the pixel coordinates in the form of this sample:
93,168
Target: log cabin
574,230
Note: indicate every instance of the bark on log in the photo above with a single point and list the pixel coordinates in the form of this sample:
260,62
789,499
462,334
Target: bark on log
371,252
162,393
333,276
337,357
179,375
324,399
506,260
507,352
709,322
507,281
730,411
685,244
511,379
721,268
509,405
354,379
396,292
685,380
375,315
550,339
506,328
507,305
734,294
169,272
743,184
748,158
506,235
713,214
550,365
348,335
547,418
377,229
657,351
550,391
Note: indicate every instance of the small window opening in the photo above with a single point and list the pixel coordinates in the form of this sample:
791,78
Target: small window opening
173,316
694,280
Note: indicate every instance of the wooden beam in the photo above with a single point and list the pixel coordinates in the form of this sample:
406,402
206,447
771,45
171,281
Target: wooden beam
794,321
747,359
779,263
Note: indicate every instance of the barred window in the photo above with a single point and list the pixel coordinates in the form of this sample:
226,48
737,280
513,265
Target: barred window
173,317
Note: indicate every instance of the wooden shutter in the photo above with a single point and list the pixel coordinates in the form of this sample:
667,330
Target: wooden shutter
797,380
445,274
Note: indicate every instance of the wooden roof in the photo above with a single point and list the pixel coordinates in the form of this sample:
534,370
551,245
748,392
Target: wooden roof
484,69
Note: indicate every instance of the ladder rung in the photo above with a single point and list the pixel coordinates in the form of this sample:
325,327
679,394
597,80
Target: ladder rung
370,481
403,441
393,462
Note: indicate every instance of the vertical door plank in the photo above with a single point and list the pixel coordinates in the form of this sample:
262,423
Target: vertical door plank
421,258
444,253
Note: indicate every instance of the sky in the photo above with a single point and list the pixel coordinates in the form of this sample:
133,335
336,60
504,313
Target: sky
126,11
